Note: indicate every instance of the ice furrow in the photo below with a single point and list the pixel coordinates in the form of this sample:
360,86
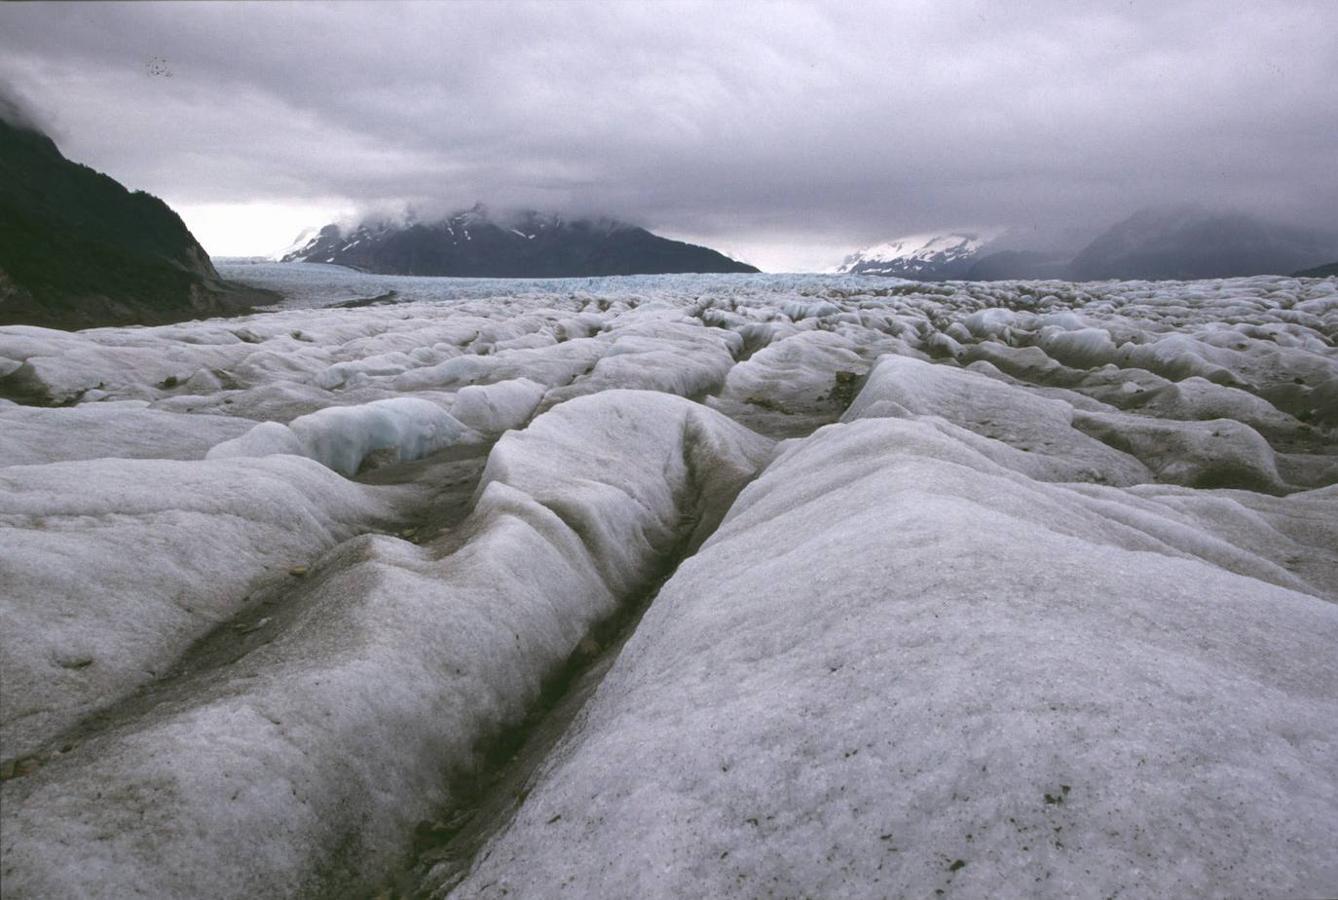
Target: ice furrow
387,667
1007,539
982,683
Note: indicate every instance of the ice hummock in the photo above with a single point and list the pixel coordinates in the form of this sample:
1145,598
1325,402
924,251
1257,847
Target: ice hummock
1080,535
900,668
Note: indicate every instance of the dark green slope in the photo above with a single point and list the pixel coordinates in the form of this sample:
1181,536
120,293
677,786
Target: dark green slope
77,249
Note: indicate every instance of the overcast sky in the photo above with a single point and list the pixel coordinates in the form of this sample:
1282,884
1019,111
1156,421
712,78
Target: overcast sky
785,133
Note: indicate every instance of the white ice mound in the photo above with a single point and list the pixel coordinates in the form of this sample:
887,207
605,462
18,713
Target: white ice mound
1026,567
1027,432
31,435
617,468
1213,453
795,375
342,437
656,350
304,765
110,569
1197,398
898,669
495,408
1081,348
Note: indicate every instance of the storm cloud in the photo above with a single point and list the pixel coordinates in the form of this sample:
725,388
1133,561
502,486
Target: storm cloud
779,131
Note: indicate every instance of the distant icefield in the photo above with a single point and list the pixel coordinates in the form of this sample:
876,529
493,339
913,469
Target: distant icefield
1017,589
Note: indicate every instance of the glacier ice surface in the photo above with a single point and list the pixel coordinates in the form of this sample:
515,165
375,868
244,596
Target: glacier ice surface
1010,588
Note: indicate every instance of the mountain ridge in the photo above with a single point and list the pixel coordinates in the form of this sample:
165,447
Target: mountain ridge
1154,243
1328,270
1190,241
78,249
475,243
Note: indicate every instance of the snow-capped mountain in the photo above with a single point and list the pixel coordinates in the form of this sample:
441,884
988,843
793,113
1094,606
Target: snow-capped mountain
922,257
476,243
1172,242
306,238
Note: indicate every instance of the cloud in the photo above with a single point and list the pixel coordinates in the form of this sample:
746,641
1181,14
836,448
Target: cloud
776,124
16,110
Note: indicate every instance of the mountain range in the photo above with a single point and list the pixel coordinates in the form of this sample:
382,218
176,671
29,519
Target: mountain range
1178,242
77,249
477,243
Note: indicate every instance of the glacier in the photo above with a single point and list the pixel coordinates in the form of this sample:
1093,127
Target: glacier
751,585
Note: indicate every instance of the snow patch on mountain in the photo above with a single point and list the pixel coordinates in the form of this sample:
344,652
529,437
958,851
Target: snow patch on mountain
303,242
928,254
